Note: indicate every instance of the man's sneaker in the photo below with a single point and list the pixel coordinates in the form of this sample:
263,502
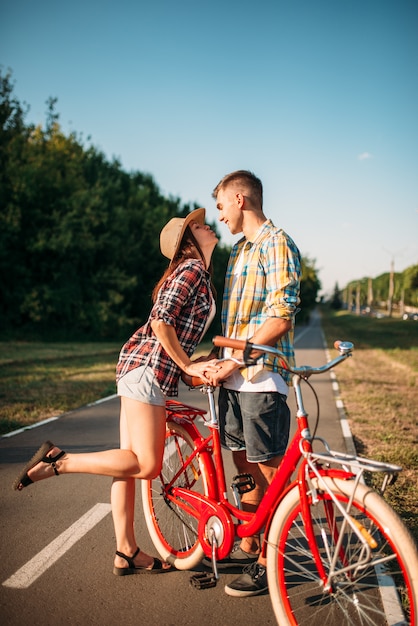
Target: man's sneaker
252,582
237,558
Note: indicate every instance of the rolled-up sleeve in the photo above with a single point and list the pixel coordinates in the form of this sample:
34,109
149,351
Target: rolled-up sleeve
281,260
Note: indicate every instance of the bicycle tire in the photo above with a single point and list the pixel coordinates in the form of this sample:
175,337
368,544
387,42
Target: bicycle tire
378,594
173,532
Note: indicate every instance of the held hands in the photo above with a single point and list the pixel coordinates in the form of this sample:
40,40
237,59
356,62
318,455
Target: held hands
211,372
203,369
224,369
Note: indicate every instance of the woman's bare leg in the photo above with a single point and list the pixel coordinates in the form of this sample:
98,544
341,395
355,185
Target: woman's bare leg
146,427
123,490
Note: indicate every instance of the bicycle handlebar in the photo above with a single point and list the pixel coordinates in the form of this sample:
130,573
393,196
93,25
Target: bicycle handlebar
225,342
191,381
345,349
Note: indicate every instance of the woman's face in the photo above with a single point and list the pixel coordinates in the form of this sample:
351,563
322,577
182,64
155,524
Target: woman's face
204,235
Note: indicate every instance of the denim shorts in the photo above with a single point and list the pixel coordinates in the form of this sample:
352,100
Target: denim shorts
141,384
257,422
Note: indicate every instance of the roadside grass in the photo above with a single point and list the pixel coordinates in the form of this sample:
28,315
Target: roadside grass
42,380
378,386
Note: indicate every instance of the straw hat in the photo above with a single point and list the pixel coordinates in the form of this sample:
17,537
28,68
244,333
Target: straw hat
172,233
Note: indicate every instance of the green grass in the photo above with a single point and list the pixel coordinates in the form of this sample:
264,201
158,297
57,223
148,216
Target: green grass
378,386
42,380
370,332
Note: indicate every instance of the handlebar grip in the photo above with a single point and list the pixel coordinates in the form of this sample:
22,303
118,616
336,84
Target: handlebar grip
191,381
225,342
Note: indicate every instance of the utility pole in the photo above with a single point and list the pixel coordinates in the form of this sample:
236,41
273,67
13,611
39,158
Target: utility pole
391,288
350,299
391,281
370,293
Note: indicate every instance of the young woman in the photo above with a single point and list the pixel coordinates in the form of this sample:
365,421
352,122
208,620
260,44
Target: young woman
148,370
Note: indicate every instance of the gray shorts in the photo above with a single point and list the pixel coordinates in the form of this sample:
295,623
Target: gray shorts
257,422
141,384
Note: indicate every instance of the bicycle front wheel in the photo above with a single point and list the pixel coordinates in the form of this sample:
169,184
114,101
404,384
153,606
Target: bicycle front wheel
173,531
379,590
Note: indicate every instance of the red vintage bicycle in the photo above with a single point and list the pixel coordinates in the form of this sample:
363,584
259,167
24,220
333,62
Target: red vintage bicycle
336,552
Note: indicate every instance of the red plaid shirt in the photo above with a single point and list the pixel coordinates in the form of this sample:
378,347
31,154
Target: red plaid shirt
183,302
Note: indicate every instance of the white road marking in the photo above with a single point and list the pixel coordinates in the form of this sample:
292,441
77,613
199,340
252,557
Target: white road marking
300,335
56,417
34,568
21,430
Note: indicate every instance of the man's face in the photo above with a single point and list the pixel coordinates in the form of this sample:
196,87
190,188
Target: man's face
229,203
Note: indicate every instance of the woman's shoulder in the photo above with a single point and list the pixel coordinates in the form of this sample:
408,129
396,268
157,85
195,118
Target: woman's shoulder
190,265
191,272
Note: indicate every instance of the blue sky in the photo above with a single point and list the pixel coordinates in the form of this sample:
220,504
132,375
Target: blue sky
317,97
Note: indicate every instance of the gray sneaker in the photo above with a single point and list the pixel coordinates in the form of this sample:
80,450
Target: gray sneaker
252,582
237,558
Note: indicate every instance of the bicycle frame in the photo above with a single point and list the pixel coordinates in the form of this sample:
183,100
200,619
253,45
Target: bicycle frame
331,543
208,450
216,505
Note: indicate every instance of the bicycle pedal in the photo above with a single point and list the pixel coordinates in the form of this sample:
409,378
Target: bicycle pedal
203,581
243,483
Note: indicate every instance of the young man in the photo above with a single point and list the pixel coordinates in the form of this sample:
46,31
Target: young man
260,302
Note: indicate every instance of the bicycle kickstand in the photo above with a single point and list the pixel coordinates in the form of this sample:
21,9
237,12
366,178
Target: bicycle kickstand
204,580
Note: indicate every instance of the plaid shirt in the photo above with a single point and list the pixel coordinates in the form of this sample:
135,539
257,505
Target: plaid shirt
268,286
183,302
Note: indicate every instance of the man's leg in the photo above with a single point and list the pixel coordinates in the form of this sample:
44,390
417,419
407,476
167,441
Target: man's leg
251,499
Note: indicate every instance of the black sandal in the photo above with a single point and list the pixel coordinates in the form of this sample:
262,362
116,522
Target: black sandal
39,456
156,568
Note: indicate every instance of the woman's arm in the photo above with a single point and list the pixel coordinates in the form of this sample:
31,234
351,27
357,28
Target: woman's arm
167,337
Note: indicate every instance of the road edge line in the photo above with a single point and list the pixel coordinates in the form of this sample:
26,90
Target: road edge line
342,415
56,417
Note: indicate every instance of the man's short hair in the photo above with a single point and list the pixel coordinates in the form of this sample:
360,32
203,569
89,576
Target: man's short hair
246,182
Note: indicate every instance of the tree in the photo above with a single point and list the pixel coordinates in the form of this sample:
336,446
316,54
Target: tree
410,285
79,237
336,302
14,136
309,288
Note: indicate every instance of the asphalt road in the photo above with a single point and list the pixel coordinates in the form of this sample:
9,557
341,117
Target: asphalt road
57,538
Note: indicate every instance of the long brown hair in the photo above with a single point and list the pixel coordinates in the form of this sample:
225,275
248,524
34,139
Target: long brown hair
187,250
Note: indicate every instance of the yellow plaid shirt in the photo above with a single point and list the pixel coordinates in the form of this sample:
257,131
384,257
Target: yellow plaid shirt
267,286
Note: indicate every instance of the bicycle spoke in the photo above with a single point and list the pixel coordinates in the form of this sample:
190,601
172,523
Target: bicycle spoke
173,530
361,594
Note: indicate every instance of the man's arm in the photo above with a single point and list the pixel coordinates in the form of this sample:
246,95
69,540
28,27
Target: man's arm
267,334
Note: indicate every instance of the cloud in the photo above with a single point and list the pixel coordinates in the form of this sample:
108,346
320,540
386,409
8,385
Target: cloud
364,155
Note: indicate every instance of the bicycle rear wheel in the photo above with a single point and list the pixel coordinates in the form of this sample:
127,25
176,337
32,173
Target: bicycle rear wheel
173,531
383,591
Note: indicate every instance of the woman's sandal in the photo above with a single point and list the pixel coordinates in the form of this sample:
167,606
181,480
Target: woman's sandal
40,456
156,568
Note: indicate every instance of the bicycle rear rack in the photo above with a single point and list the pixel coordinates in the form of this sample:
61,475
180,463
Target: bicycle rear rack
352,463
